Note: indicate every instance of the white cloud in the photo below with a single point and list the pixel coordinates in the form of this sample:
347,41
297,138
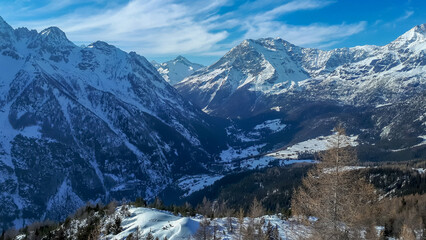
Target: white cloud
292,6
405,16
149,27
314,35
171,27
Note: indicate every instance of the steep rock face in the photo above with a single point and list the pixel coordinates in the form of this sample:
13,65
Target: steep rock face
86,124
253,75
174,71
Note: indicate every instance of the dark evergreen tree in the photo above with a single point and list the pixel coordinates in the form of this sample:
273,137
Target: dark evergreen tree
149,236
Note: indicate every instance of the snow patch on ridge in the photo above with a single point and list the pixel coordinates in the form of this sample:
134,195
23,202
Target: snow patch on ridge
191,184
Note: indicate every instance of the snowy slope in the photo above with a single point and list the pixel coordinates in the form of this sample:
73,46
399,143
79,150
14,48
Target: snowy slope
251,158
80,124
138,223
176,70
164,224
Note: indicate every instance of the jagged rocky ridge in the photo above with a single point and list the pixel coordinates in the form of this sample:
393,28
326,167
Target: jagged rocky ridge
174,71
86,123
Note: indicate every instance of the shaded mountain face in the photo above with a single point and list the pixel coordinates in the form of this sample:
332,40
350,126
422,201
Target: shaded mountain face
174,71
86,124
253,75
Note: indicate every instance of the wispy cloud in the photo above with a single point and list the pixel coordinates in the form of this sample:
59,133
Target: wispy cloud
314,35
407,15
396,21
149,27
170,27
291,7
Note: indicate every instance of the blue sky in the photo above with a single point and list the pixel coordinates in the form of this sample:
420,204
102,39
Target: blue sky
203,31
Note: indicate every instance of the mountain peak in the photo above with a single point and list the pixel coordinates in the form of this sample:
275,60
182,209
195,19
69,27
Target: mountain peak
174,71
54,36
412,37
2,21
266,42
181,58
4,26
103,46
53,31
420,28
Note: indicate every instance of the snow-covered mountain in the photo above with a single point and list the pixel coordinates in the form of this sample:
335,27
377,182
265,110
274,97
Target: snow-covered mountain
243,82
80,124
96,123
176,70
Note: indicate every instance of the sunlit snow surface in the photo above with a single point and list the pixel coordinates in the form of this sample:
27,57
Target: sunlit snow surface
192,184
251,157
164,224
274,125
176,70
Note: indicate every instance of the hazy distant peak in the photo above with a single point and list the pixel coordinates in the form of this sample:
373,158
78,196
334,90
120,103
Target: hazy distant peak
174,71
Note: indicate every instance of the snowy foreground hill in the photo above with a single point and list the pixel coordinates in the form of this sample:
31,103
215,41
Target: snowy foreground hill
138,223
164,224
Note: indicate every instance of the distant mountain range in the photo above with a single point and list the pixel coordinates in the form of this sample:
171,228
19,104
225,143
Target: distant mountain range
174,71
243,82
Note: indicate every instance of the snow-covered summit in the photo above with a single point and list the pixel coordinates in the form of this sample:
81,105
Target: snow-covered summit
414,39
102,46
52,43
176,70
54,36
